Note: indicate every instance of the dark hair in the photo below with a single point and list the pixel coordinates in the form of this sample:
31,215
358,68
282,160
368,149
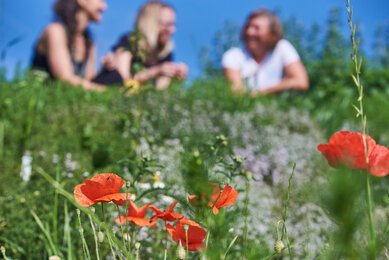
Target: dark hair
274,25
65,11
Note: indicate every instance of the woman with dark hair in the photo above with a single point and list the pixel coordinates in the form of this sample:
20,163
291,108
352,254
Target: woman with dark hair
268,63
65,49
147,52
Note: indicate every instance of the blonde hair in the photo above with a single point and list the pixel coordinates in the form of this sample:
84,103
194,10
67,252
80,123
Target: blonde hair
275,26
147,22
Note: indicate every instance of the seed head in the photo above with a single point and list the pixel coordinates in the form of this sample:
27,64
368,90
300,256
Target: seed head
54,257
180,252
100,236
279,246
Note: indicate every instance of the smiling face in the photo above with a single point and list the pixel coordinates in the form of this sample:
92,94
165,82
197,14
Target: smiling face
257,34
167,25
93,8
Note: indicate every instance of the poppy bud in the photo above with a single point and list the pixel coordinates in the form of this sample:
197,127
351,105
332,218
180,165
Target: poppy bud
2,248
137,245
100,236
186,227
249,175
180,251
54,257
279,246
196,153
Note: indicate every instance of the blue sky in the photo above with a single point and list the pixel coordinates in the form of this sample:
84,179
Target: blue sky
197,22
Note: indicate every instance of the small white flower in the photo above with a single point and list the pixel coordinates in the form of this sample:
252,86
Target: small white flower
85,174
26,168
156,175
167,199
55,159
158,184
133,197
144,185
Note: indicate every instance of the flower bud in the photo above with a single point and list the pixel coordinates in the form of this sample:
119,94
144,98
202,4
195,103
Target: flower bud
196,153
181,252
249,175
54,257
137,245
100,236
186,227
279,246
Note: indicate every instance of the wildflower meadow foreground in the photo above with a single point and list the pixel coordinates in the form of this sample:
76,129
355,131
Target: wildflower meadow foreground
196,172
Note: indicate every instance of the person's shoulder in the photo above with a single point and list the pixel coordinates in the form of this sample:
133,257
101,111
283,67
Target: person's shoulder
284,44
233,58
55,28
234,51
286,51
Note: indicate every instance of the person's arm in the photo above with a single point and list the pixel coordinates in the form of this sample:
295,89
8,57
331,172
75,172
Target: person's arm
235,78
295,78
60,61
90,70
123,60
166,69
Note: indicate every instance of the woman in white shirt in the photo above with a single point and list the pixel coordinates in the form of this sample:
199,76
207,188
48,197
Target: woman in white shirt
268,64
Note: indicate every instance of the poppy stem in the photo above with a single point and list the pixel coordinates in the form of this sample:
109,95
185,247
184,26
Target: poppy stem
246,214
186,242
165,237
102,210
370,215
121,227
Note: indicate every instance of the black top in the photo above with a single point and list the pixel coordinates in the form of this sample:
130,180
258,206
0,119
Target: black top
39,60
124,43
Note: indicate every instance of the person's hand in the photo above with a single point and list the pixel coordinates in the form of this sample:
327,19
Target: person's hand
167,69
181,70
109,61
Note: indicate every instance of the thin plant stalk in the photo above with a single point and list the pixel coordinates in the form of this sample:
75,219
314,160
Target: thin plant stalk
246,213
186,242
55,211
285,231
95,236
81,230
67,236
2,249
110,245
360,112
127,227
121,228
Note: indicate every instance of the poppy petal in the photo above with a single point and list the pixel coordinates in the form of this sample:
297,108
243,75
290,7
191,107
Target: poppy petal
379,161
346,148
141,221
80,197
227,197
170,208
117,198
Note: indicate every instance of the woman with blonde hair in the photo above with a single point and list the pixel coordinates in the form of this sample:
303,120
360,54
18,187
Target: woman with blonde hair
268,63
146,53
65,49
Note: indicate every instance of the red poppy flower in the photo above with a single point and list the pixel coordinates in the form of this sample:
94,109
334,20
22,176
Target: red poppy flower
136,215
168,215
103,187
346,148
227,197
196,234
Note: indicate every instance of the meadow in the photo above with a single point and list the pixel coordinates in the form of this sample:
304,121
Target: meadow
167,145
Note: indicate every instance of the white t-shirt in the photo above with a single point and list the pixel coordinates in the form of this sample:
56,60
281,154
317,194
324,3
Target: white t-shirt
265,74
